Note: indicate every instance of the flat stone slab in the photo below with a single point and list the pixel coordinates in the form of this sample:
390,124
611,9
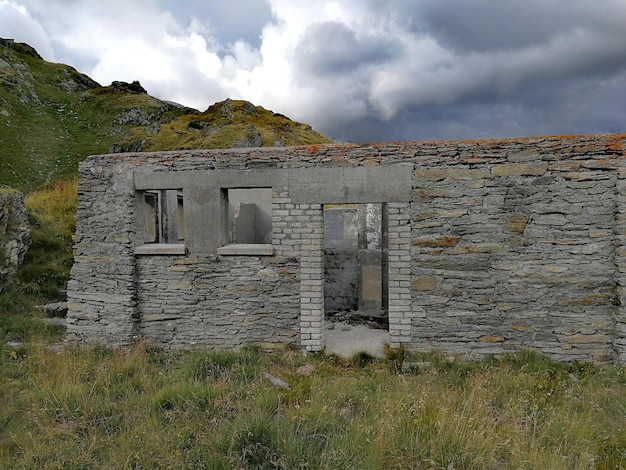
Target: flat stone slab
346,340
161,249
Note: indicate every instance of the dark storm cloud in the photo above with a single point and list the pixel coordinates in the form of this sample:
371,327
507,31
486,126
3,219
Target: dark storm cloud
333,48
583,107
478,68
488,26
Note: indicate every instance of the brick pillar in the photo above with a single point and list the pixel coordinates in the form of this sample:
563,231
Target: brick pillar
311,275
399,265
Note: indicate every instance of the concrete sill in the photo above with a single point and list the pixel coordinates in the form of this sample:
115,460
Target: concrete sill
246,250
161,249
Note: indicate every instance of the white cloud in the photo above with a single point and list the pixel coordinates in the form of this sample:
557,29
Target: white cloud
17,23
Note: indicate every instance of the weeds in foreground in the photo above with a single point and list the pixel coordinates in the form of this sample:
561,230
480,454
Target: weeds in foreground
149,408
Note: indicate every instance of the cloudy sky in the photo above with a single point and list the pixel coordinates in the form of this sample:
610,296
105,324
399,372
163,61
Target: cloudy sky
356,70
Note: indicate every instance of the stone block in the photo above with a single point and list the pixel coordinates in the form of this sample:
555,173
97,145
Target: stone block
430,174
424,283
517,223
520,169
522,328
468,173
579,339
602,356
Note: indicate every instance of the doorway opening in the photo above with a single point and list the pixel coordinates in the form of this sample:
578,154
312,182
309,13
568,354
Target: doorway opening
355,273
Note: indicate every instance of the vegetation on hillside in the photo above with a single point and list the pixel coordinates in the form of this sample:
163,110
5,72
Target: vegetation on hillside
42,132
52,117
230,123
152,409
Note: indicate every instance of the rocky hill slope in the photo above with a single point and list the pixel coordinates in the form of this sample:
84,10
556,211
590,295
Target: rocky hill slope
52,116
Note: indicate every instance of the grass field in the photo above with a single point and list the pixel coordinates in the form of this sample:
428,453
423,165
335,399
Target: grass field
150,409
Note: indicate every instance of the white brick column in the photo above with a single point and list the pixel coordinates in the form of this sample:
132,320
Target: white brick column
399,265
311,275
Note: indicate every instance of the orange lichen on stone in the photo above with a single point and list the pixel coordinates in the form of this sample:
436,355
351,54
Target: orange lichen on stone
615,143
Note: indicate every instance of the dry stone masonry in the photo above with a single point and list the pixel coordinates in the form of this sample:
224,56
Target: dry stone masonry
490,246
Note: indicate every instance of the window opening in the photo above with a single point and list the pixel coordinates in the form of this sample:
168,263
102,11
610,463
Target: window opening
164,216
152,213
249,215
247,222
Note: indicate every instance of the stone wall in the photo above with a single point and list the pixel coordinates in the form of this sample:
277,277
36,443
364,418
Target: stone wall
14,235
493,246
189,301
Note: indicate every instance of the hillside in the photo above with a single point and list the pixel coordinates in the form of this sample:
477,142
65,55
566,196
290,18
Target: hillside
52,116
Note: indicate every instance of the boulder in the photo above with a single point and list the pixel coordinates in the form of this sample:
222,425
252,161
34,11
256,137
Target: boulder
14,234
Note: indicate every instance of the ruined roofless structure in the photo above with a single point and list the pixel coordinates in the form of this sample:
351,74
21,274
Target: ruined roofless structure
468,247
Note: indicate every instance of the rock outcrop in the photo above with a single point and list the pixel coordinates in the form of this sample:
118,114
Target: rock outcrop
14,234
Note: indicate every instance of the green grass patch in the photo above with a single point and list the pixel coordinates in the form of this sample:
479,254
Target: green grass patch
148,408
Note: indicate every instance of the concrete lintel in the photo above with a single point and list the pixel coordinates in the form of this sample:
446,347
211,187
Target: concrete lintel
246,250
169,179
350,185
258,178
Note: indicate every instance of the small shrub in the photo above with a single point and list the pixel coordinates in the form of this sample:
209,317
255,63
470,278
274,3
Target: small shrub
531,361
396,356
255,445
361,359
182,397
212,366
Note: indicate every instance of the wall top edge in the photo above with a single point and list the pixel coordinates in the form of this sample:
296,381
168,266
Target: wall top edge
614,144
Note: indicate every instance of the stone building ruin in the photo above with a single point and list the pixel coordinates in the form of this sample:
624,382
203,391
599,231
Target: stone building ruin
468,247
